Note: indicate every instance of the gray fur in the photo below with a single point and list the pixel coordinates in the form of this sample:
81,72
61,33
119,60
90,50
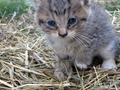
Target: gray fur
95,37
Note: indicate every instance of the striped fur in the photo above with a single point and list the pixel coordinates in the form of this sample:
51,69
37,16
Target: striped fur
92,33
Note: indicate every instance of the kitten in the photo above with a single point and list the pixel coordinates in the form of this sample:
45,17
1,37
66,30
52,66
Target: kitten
77,29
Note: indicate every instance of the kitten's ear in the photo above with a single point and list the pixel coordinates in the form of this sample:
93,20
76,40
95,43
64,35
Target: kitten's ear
40,4
37,4
85,2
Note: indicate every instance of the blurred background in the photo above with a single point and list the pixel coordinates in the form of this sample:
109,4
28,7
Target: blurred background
8,7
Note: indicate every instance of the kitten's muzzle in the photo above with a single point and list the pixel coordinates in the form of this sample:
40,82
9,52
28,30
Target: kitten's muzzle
63,35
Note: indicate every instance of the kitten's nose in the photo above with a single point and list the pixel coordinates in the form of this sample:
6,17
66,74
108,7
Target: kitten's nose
63,35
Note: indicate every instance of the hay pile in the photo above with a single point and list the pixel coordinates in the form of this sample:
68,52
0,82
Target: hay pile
26,61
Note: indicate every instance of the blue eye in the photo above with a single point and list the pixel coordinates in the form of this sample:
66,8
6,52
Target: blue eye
51,23
72,21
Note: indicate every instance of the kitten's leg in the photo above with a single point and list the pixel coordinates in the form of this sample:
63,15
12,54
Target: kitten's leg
108,55
83,61
63,68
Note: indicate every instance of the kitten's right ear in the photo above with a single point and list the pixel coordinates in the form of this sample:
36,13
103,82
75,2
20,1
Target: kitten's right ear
37,4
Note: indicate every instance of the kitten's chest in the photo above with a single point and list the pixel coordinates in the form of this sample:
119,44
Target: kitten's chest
64,48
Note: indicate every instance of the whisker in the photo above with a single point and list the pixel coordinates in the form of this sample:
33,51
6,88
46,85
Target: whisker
75,41
80,41
86,40
71,33
49,40
84,37
87,37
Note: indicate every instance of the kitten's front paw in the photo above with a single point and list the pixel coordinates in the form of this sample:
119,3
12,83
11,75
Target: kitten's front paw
81,66
109,65
60,75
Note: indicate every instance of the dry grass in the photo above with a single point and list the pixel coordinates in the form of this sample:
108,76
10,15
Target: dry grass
26,61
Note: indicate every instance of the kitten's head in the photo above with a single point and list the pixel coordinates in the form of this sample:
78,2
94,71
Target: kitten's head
62,18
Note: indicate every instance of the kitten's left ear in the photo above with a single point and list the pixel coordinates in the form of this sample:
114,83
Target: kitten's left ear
85,2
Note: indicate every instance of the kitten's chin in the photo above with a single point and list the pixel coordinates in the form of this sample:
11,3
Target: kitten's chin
63,40
59,38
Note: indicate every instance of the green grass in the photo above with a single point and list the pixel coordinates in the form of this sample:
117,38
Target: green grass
8,7
112,5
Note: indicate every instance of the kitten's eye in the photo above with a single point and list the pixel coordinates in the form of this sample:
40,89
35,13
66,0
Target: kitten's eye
51,23
72,21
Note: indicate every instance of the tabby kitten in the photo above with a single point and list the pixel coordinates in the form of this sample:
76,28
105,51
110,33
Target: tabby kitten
77,29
